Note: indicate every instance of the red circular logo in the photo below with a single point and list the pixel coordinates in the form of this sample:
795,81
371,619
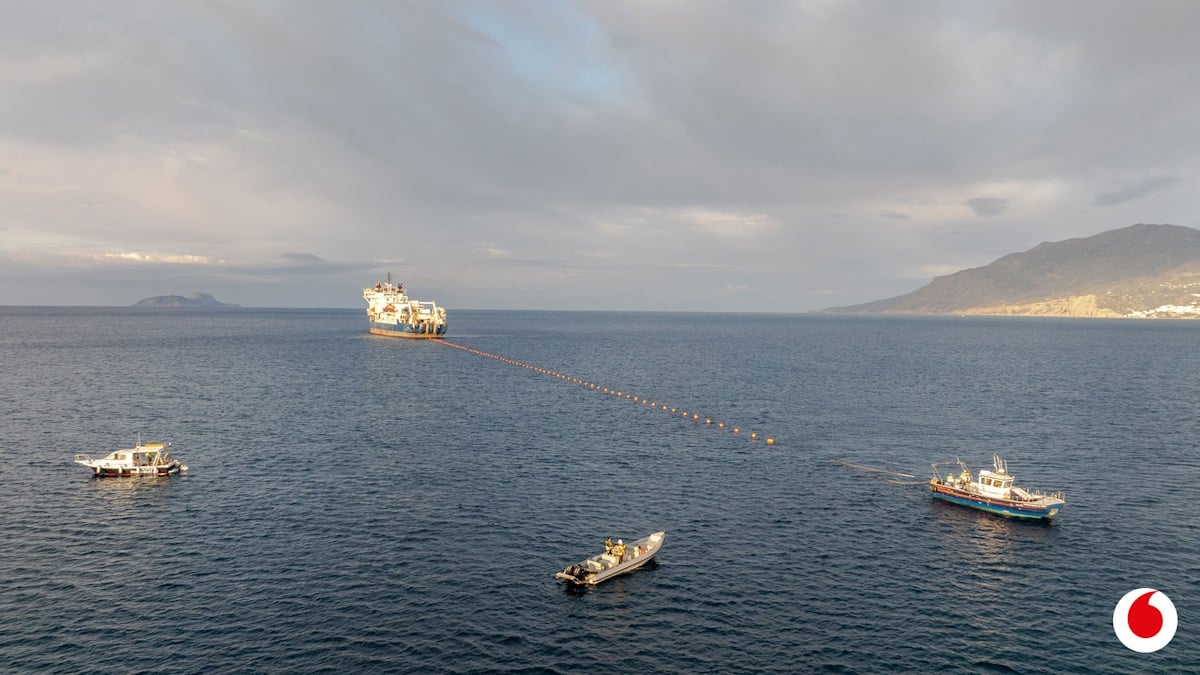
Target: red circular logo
1145,620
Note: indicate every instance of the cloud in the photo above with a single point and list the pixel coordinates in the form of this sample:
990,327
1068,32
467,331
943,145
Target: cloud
937,270
729,224
1136,191
987,206
304,259
219,198
708,144
176,259
700,266
492,250
942,205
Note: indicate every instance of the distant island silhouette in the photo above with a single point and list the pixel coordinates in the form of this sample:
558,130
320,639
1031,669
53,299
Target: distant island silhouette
1140,271
192,301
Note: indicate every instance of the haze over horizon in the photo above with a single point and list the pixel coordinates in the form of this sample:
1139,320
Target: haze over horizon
713,156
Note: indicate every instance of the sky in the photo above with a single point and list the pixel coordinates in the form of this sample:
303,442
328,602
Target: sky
744,156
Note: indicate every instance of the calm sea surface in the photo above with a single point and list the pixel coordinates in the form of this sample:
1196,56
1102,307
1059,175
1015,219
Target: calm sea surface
364,504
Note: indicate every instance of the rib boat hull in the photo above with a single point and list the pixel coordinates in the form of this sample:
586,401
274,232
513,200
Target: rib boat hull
605,566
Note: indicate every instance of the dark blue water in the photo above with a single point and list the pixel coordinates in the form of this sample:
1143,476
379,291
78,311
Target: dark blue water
362,504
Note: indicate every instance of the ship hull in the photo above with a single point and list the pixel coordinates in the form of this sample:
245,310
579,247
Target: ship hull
1003,507
403,330
135,472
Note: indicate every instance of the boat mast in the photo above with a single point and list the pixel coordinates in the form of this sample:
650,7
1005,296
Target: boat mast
1001,465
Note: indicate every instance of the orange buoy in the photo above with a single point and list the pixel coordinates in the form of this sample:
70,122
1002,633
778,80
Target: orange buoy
735,430
708,420
770,441
753,434
720,425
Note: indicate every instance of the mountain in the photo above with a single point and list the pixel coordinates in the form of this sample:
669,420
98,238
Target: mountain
193,301
1136,271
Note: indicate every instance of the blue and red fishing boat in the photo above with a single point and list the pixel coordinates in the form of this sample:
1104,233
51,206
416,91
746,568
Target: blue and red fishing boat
993,492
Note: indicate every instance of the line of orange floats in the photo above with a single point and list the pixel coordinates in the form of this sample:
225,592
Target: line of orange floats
695,417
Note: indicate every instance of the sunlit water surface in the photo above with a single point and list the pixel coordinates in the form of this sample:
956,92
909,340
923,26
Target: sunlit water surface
364,504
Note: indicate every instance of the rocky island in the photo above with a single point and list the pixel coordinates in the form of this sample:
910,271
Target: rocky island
192,301
1140,271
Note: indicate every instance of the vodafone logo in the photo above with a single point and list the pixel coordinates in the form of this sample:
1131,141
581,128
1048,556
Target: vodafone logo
1145,620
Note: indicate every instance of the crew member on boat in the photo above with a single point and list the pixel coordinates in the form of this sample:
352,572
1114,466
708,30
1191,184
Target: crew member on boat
608,545
619,551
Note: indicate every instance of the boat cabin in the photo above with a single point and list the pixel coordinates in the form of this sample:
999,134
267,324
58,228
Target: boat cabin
993,484
150,454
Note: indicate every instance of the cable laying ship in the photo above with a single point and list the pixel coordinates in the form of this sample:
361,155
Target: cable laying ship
392,313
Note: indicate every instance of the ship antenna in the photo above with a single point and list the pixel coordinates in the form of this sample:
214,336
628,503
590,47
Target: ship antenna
389,278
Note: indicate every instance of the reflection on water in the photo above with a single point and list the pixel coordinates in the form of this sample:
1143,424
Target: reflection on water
993,559
124,498
989,537
985,546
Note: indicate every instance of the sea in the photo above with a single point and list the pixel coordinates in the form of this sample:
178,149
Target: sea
360,504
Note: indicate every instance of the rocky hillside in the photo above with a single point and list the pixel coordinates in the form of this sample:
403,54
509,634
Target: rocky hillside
1136,271
193,301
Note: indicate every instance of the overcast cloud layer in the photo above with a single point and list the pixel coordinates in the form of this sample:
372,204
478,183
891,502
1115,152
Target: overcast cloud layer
741,156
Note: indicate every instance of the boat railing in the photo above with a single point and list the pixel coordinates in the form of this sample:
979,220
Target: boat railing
1036,495
1054,495
427,308
81,457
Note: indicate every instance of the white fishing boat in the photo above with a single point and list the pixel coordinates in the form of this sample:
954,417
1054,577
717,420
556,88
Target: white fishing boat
150,459
621,559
